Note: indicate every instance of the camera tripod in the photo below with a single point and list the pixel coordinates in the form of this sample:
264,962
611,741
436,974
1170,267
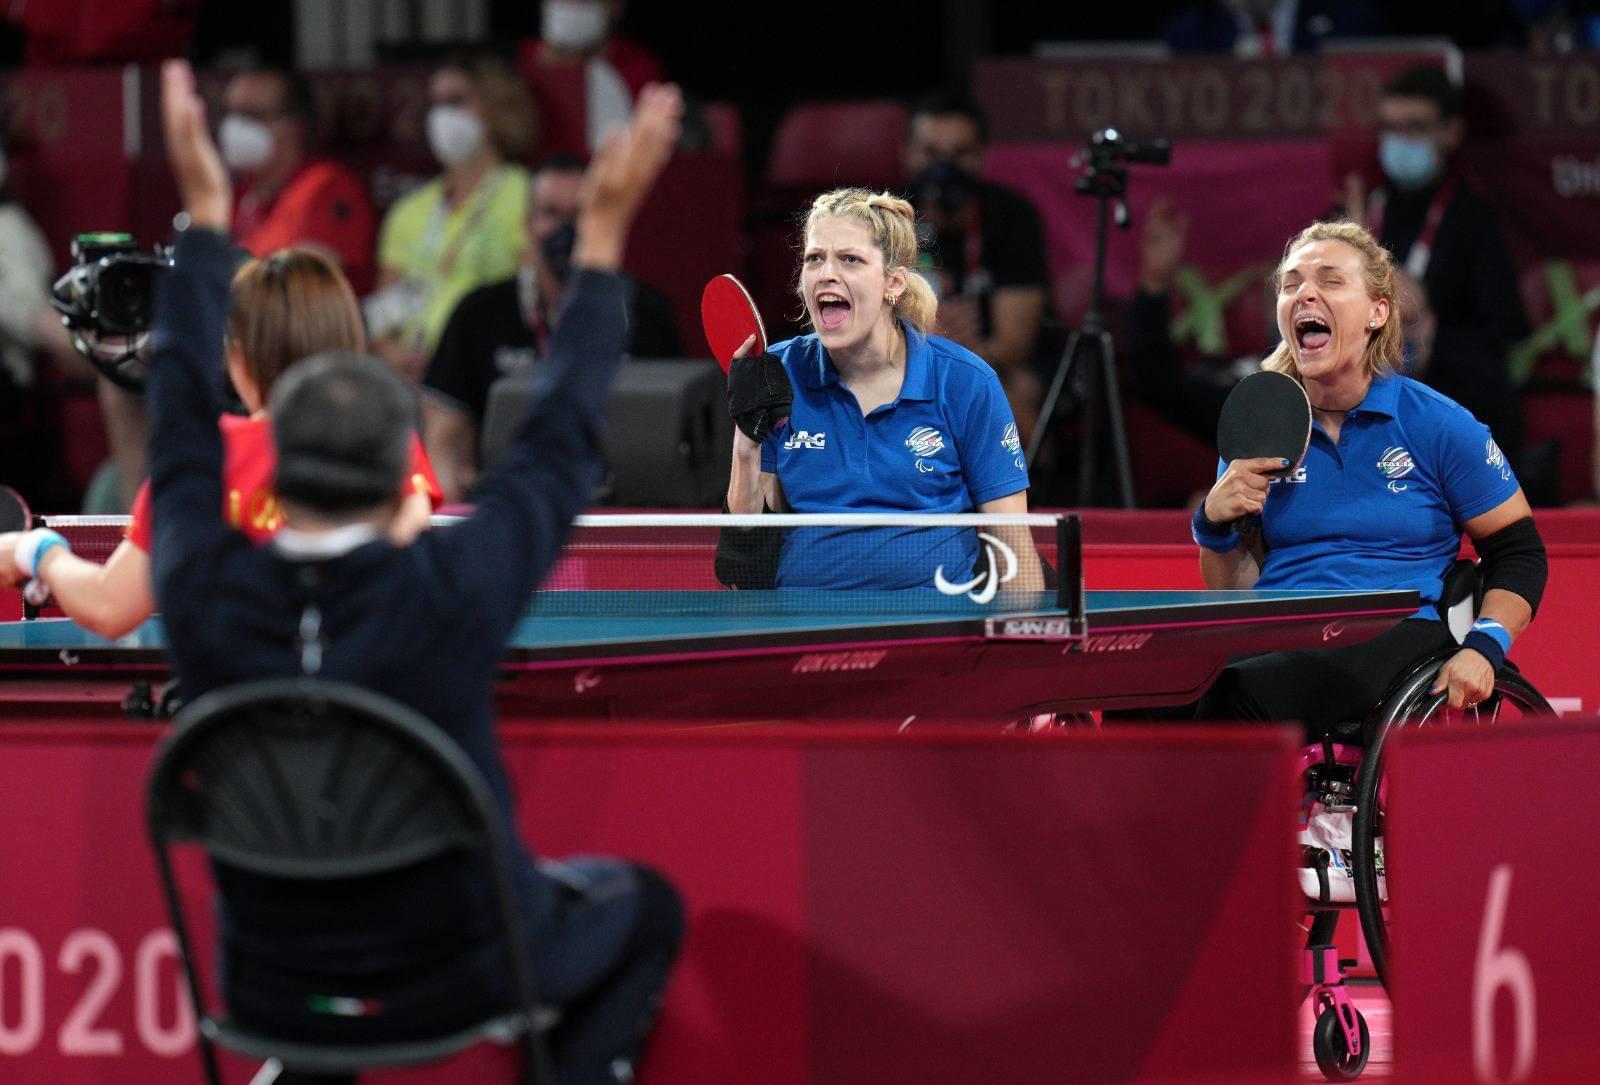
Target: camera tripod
1088,359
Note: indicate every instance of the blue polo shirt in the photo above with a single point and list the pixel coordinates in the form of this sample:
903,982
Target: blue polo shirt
1383,507
946,444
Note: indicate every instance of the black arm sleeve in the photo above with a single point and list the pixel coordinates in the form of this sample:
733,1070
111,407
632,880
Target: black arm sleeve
1514,561
496,557
185,397
747,558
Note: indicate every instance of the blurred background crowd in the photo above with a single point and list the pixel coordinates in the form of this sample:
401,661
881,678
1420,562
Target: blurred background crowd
435,148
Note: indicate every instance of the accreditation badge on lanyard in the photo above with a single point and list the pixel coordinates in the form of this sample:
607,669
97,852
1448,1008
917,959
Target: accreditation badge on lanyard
1422,248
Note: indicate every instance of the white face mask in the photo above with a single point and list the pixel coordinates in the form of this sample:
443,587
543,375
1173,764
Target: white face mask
574,24
245,143
454,133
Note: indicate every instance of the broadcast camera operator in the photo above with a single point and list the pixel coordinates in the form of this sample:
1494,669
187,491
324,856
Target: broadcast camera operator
983,247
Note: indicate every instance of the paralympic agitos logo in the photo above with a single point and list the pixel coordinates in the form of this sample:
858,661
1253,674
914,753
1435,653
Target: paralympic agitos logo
982,588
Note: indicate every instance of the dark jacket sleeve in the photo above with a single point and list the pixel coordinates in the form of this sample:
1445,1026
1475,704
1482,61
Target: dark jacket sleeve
185,398
498,555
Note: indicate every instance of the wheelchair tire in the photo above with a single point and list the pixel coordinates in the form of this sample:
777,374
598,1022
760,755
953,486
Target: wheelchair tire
1410,706
1332,1054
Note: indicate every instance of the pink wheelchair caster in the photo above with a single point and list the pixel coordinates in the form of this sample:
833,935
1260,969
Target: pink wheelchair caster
1340,1040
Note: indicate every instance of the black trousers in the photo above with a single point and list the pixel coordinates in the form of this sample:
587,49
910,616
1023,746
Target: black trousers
1321,686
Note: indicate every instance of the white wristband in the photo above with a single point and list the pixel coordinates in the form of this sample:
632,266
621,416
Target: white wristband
34,545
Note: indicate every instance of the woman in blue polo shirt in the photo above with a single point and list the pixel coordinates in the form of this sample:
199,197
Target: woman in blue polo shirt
1394,474
885,419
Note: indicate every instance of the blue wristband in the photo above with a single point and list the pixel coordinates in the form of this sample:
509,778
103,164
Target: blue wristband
1491,639
1219,538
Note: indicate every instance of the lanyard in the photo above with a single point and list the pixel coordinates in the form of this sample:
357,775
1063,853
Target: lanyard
975,278
530,301
434,237
1422,248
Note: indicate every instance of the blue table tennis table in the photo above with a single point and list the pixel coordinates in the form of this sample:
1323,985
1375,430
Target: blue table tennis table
718,656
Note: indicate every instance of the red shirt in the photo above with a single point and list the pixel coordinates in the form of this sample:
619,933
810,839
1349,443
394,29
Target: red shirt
325,206
248,503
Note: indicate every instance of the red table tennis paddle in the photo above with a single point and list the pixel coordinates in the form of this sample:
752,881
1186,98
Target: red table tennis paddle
1266,414
16,516
729,317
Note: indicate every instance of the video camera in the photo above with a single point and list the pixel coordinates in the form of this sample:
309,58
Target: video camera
106,300
1106,156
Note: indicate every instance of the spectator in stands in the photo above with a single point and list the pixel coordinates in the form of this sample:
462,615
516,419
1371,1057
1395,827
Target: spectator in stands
1558,26
580,35
1448,238
505,328
285,196
27,322
30,331
464,228
983,247
1264,28
1190,396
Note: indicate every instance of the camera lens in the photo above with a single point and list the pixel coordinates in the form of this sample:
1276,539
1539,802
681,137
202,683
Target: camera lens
123,297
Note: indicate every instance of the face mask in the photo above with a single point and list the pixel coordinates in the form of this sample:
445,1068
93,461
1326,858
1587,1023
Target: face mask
573,24
246,143
944,183
1409,163
454,133
557,250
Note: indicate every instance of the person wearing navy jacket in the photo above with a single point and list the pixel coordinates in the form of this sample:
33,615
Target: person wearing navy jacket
1394,475
424,624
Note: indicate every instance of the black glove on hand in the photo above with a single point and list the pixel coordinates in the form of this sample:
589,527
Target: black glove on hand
759,394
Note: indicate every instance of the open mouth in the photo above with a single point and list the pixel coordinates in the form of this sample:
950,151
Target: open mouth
1311,333
832,311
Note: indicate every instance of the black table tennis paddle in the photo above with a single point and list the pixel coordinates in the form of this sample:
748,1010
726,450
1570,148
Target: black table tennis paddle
16,516
1266,414
14,512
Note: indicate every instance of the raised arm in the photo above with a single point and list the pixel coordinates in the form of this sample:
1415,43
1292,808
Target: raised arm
185,392
526,505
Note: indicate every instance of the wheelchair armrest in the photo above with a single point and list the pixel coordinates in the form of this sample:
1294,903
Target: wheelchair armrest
1460,598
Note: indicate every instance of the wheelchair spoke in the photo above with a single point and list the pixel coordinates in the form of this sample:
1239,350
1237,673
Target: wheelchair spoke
1411,705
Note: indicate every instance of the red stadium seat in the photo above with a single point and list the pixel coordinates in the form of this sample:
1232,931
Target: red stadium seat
1566,416
826,144
726,127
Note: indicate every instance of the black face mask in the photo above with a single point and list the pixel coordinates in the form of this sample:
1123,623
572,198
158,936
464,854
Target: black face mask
557,250
944,184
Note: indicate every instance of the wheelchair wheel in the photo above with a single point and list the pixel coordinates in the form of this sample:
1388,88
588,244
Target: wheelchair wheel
1332,1054
1411,705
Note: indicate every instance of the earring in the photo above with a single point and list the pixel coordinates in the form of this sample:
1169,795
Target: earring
892,299
1372,323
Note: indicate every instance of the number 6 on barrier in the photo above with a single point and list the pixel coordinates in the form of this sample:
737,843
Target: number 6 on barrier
1499,967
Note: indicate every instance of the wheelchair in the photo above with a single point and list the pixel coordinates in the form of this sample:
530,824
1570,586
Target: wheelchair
1345,777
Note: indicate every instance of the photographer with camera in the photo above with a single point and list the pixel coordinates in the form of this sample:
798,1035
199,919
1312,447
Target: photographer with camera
984,247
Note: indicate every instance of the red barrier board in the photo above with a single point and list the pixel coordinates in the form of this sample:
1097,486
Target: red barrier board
863,907
1493,898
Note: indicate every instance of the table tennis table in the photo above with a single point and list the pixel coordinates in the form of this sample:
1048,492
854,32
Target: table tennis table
891,657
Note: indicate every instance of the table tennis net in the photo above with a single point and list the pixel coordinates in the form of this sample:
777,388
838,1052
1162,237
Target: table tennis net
628,564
